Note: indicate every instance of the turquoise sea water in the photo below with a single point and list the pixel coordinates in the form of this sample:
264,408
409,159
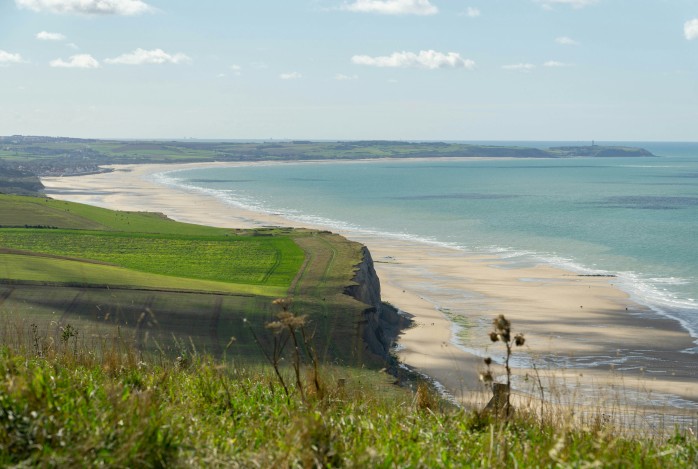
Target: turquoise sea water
636,218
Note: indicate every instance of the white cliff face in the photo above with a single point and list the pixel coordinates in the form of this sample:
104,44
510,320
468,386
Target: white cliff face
381,323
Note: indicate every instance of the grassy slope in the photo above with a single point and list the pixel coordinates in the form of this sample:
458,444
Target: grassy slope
47,270
67,408
35,211
147,243
243,260
157,256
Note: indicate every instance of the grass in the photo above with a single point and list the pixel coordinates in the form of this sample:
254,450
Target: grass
19,211
236,259
47,270
64,404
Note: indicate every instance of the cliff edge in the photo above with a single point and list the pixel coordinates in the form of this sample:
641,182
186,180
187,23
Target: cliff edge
381,323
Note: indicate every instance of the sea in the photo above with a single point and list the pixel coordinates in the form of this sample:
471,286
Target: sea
634,218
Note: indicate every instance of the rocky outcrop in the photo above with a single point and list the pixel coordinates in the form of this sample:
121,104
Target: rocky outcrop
381,323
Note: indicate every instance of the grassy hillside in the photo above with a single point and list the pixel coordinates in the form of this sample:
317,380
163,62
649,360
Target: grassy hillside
244,260
162,283
65,406
18,211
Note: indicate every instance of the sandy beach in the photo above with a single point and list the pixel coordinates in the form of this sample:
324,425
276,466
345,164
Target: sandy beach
581,331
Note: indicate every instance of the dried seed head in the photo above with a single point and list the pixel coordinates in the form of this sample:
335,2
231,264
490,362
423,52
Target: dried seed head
283,303
519,340
501,324
486,377
488,361
494,337
275,326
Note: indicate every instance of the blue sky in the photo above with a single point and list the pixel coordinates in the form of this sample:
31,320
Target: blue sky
351,69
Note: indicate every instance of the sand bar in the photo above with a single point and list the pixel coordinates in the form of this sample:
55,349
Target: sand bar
580,330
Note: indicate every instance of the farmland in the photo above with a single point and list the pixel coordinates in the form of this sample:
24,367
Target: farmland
165,286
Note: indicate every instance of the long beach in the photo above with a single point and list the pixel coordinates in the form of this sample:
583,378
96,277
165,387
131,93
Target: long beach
583,324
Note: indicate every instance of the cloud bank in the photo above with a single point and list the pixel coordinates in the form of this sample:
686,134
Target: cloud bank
690,29
472,12
9,58
555,64
154,56
566,41
46,36
577,4
87,7
522,67
426,59
76,61
290,76
342,77
392,7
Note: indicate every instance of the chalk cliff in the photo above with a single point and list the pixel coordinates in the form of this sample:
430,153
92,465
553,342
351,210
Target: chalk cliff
381,323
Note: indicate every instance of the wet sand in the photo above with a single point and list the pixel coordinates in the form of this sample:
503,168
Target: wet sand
583,333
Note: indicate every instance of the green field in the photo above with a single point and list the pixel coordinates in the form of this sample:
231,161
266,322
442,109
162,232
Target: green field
18,211
247,260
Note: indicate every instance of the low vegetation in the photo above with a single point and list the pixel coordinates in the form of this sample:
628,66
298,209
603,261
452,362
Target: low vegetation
66,405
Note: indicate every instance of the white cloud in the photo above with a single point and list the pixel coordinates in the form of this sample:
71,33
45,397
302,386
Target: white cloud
577,4
690,29
9,58
472,12
522,67
342,77
566,41
427,59
154,56
236,69
76,61
88,7
555,64
392,7
290,76
46,36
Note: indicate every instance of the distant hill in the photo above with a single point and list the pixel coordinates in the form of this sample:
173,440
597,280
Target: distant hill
18,181
596,151
56,156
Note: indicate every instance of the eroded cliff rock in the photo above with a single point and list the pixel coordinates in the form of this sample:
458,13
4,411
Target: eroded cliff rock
381,323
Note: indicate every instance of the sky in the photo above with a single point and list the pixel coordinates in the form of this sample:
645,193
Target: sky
605,70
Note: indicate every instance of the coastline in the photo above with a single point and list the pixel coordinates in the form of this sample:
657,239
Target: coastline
561,313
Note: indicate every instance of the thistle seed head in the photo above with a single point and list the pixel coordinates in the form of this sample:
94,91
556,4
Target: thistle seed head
501,324
283,303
